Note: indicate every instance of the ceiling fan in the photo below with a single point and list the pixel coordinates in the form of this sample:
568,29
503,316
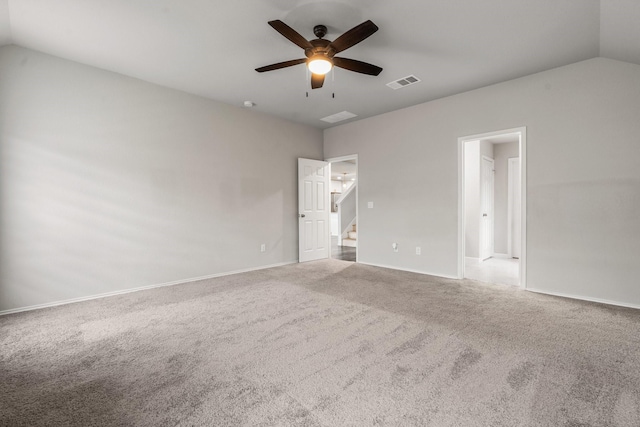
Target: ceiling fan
320,53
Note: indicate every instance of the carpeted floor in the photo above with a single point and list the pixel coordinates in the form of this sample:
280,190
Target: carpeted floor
326,343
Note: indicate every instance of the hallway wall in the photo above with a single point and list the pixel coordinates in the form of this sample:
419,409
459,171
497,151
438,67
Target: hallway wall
583,171
501,154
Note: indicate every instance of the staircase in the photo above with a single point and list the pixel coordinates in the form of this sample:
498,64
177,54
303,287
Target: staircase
352,237
347,217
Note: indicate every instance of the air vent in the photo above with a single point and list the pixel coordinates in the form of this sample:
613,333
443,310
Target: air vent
338,117
405,81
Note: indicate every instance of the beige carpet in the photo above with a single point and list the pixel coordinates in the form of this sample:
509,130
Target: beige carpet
327,343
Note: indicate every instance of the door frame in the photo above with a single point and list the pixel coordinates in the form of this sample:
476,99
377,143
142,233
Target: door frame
523,198
357,184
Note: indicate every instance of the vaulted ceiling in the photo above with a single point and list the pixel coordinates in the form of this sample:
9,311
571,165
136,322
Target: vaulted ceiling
211,48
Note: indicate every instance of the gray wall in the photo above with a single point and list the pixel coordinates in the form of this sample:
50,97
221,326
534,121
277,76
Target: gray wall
109,183
501,155
583,202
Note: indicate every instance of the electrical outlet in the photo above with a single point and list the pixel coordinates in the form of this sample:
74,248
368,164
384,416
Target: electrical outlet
395,247
370,205
263,248
418,250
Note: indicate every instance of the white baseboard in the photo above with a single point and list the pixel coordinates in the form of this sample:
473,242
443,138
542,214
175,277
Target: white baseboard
141,288
246,270
583,298
410,270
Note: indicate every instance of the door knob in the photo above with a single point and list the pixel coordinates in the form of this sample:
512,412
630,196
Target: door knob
484,214
301,215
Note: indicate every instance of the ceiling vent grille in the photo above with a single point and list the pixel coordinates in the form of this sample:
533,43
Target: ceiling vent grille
403,82
338,117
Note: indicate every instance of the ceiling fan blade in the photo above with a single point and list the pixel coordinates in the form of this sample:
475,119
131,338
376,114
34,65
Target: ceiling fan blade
354,36
290,33
317,80
281,65
357,66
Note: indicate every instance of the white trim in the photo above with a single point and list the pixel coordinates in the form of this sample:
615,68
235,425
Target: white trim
523,207
343,159
461,210
492,134
582,298
409,270
356,183
523,195
141,288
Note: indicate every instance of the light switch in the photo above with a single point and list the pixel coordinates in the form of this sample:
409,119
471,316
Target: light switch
370,205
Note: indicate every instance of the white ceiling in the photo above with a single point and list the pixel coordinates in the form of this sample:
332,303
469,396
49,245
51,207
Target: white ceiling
211,48
343,170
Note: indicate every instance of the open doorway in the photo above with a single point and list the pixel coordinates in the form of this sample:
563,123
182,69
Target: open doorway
344,208
492,206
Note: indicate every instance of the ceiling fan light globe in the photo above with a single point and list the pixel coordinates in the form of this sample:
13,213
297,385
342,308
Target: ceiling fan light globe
319,65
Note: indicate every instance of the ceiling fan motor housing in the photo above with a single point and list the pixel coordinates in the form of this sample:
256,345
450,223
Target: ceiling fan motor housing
320,47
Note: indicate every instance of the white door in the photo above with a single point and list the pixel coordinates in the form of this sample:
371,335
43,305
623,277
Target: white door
486,208
313,209
515,212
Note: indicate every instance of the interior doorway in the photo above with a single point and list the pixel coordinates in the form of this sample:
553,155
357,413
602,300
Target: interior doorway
344,208
492,228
